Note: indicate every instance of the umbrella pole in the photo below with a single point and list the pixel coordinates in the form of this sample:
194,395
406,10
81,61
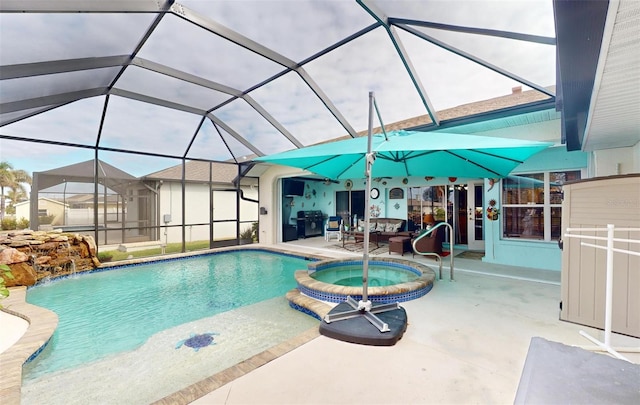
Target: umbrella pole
421,209
365,304
364,307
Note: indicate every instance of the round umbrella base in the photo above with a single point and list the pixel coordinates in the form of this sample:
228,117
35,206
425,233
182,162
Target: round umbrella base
359,329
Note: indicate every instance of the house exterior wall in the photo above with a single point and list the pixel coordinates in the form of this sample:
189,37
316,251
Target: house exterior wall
612,162
270,224
197,212
22,211
53,207
498,249
539,254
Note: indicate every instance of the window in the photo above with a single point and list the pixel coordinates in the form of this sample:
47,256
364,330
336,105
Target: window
532,205
42,212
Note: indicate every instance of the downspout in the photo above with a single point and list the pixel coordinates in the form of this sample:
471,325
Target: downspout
241,196
241,192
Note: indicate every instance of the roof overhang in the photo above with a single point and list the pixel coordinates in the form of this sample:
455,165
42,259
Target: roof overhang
598,75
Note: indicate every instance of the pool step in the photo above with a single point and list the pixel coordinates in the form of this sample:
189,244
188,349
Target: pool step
317,309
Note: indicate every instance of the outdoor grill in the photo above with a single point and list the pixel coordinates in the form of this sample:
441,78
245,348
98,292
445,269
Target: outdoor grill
309,223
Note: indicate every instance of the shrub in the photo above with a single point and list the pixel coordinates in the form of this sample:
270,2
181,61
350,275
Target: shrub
8,224
250,233
23,223
246,234
105,257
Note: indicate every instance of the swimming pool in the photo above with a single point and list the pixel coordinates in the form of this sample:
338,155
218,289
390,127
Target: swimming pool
109,312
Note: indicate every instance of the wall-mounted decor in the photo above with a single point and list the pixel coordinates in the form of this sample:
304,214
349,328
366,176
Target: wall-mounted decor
396,194
375,193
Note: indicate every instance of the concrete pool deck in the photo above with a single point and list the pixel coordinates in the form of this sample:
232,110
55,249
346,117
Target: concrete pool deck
466,342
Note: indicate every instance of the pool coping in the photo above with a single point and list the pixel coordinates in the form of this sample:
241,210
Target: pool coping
400,292
43,323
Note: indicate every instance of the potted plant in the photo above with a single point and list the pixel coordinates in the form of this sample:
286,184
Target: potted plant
438,214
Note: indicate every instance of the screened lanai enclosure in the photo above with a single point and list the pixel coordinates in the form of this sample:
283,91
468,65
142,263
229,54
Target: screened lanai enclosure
177,97
86,203
122,209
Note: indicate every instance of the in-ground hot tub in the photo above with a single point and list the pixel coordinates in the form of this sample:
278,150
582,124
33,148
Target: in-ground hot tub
390,280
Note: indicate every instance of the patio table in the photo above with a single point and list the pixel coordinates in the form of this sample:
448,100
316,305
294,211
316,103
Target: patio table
358,237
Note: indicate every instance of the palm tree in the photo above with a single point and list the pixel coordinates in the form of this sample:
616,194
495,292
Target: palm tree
11,178
14,195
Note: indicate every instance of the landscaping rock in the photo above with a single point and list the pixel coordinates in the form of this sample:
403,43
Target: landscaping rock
23,275
35,255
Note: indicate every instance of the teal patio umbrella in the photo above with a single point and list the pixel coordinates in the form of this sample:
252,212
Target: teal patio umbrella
402,154
412,153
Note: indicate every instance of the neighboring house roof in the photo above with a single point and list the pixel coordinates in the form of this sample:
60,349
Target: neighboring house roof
198,171
88,198
27,202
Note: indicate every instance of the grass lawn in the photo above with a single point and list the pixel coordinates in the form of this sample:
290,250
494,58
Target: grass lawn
171,248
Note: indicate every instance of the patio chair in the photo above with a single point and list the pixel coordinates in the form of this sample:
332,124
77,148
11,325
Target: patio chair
333,227
431,243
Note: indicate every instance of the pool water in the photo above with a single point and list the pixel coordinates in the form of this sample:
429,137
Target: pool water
115,311
351,275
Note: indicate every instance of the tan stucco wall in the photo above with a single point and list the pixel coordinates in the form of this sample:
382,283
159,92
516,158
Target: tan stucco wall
53,208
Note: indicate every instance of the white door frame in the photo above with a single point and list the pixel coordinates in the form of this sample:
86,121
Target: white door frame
475,216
